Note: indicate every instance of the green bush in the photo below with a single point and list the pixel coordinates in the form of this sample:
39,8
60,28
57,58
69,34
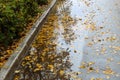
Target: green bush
42,2
14,17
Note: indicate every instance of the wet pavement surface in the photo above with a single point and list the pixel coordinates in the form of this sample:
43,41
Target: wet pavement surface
79,41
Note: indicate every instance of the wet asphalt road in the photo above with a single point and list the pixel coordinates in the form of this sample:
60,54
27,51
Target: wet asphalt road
90,31
93,39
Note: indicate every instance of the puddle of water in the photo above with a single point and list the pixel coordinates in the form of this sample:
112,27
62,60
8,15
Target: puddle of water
94,15
72,36
80,38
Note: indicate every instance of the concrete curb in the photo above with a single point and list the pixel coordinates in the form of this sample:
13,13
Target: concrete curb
10,66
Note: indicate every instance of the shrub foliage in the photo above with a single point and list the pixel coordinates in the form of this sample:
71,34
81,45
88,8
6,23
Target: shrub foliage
14,17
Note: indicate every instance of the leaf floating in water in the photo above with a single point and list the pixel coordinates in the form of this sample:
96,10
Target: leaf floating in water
96,78
112,38
90,44
27,58
108,71
92,78
83,65
17,71
39,67
103,50
61,72
36,69
90,69
91,27
51,67
91,63
75,51
117,48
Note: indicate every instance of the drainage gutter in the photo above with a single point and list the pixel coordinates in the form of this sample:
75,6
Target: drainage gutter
8,69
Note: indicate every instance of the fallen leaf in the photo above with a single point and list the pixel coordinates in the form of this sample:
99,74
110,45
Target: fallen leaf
108,71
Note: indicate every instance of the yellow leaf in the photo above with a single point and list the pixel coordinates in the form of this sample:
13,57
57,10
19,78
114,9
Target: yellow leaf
82,66
51,67
91,63
37,69
17,71
61,72
91,27
108,71
92,78
9,51
38,65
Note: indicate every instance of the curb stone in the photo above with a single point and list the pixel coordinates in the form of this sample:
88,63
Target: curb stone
8,69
